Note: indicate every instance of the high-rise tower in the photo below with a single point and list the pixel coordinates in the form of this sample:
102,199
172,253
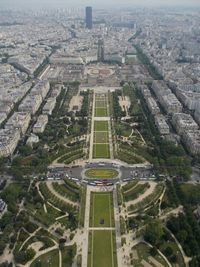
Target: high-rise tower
100,52
88,17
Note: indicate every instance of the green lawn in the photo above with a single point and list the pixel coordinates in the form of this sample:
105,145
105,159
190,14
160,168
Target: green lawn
49,259
100,103
68,254
143,253
123,129
101,112
100,126
102,249
101,210
101,151
101,97
101,173
173,245
100,137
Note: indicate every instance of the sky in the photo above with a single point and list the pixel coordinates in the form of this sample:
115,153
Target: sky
95,3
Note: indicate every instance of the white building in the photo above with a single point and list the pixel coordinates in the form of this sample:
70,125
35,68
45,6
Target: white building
41,88
31,104
162,125
183,122
19,121
41,123
8,141
192,141
152,105
49,106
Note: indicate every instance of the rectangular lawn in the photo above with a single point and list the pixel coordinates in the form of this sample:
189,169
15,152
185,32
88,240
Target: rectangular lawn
102,249
100,104
101,97
100,137
101,210
100,126
101,151
101,112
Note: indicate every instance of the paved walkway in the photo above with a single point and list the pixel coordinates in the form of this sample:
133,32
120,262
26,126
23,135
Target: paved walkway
102,228
148,192
92,129
117,228
86,229
185,258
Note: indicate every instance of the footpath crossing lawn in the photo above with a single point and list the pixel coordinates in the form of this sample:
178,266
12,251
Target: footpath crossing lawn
101,137
101,147
102,249
100,103
101,151
101,210
101,106
101,126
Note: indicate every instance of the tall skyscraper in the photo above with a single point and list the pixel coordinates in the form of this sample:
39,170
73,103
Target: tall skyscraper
100,52
88,19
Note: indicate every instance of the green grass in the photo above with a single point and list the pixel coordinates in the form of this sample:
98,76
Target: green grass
101,151
101,173
134,192
129,185
65,191
68,254
49,259
123,129
143,252
100,126
101,208
100,137
100,103
102,249
149,200
101,112
176,250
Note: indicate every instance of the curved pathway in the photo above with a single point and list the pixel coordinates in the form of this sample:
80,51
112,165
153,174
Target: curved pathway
185,258
148,192
66,200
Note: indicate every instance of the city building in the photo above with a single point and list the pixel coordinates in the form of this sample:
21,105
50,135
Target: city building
183,122
100,51
19,121
41,123
9,139
49,106
33,139
31,104
192,141
161,124
88,17
152,105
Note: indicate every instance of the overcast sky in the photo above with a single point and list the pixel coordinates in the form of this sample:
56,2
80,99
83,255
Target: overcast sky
97,3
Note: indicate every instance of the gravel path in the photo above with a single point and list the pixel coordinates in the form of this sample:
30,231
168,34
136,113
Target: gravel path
148,192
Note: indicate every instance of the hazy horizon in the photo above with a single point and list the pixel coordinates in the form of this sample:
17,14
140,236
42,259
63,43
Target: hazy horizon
94,3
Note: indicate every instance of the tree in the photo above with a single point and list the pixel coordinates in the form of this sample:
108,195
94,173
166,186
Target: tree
153,251
168,251
2,246
154,232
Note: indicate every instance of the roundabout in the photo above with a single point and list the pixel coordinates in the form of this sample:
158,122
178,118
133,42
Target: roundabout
101,173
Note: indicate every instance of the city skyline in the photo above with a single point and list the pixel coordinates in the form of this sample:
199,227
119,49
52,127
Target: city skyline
95,3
